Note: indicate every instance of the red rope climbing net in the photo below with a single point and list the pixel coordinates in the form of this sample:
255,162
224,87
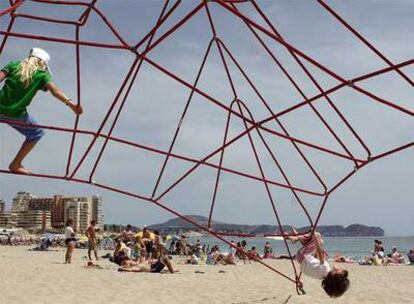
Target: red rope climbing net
265,33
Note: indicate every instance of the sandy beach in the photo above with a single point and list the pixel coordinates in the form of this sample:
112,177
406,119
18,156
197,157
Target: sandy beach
41,277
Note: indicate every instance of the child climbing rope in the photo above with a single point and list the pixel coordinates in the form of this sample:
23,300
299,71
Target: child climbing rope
313,263
23,80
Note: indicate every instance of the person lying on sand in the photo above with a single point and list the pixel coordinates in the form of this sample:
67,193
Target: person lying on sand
156,267
343,259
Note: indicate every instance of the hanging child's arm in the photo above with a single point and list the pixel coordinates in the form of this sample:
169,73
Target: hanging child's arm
319,250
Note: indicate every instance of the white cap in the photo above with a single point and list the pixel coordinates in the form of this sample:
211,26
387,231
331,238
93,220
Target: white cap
41,54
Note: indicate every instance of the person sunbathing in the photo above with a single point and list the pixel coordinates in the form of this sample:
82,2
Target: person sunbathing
156,267
253,254
343,259
395,258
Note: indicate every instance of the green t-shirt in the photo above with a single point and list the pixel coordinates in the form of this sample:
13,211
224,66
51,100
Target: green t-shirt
14,97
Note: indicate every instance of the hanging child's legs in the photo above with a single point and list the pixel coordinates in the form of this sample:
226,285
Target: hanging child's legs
32,134
303,239
309,245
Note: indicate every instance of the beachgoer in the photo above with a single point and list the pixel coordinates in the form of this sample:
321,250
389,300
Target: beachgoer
217,258
23,79
240,253
122,254
411,256
158,246
378,248
92,240
313,263
146,239
127,235
232,249
156,267
343,259
9,240
267,251
396,257
253,254
193,259
70,241
139,249
183,246
177,247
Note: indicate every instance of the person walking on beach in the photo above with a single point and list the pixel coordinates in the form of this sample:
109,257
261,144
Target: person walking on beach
92,240
23,79
313,263
70,241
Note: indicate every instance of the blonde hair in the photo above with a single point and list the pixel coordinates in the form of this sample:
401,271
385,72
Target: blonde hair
28,67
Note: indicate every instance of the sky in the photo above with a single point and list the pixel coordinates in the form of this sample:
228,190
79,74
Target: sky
379,194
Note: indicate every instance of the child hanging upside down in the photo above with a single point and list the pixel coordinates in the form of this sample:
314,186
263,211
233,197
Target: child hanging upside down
23,80
313,263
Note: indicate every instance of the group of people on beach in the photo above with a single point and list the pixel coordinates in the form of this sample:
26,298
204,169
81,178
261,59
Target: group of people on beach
379,257
147,251
142,252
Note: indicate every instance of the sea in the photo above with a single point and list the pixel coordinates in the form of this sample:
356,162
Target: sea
354,247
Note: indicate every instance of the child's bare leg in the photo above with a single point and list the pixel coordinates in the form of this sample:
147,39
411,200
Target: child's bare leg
16,165
295,237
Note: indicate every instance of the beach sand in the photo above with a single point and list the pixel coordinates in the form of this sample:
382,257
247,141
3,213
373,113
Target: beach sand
41,277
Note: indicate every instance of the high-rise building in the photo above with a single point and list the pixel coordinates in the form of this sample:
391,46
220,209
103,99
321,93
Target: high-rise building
21,201
43,213
58,211
2,206
9,219
34,219
97,212
78,209
42,203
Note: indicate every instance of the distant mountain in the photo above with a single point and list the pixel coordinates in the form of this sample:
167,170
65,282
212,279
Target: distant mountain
178,225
